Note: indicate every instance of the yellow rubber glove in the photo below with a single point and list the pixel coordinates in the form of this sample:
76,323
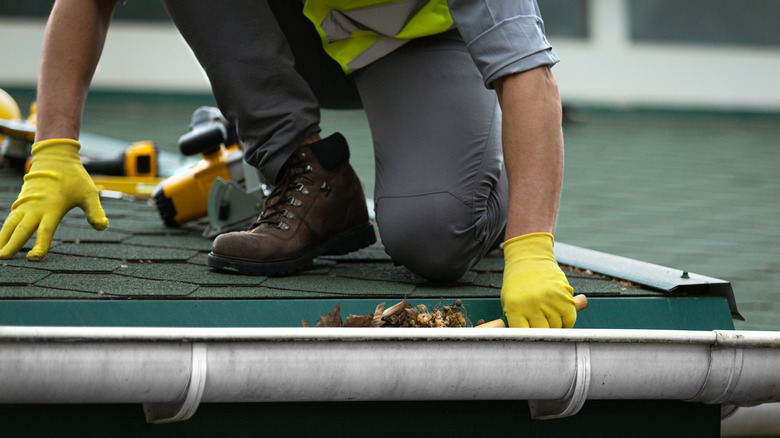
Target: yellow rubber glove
535,291
56,183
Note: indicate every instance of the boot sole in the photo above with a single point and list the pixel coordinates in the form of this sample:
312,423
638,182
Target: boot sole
340,244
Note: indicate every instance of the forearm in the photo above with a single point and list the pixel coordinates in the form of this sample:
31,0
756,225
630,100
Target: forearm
533,149
73,42
535,292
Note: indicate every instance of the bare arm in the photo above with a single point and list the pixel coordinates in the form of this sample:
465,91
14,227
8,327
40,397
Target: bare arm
533,149
535,292
57,181
72,46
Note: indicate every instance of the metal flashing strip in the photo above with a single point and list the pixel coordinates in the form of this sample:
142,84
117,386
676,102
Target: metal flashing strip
672,281
615,312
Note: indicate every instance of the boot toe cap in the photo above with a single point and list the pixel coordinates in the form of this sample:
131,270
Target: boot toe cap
233,244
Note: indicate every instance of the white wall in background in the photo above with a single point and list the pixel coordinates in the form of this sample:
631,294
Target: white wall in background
137,56
607,68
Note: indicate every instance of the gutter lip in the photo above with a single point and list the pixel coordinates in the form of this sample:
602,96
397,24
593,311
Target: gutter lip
722,338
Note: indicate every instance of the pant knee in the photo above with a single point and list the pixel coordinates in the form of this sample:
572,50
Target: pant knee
433,235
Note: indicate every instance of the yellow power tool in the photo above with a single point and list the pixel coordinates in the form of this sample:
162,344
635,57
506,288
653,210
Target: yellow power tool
138,160
221,185
16,134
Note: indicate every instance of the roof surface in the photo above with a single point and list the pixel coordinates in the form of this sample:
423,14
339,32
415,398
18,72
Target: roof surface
689,190
138,257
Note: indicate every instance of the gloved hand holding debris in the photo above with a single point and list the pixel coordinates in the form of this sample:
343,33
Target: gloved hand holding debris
56,183
535,291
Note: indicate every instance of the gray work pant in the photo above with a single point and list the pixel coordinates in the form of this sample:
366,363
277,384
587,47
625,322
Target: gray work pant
441,189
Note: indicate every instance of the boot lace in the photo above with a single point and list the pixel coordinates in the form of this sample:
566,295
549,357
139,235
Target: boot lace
294,180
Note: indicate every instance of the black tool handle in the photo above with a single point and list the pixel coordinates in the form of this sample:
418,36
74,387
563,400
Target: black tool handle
113,167
208,130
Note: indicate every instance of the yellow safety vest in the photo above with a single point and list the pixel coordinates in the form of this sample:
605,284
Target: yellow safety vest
357,32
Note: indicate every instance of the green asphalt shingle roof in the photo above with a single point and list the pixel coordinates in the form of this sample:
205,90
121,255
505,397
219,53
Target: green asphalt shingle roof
137,257
688,190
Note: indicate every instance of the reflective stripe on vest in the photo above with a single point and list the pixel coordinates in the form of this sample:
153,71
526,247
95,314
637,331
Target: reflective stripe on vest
358,32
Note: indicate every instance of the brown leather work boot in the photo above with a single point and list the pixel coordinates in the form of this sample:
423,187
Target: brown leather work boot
317,208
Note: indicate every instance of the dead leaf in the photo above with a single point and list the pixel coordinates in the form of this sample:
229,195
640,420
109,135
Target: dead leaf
377,320
397,308
359,321
332,319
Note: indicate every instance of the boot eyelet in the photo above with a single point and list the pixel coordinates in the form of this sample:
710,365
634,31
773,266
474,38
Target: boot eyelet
302,188
294,202
287,214
308,168
282,226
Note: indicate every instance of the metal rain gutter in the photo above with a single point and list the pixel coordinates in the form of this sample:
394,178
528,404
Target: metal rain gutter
172,370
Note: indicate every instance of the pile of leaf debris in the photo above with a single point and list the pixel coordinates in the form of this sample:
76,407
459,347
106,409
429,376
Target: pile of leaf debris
402,314
624,284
